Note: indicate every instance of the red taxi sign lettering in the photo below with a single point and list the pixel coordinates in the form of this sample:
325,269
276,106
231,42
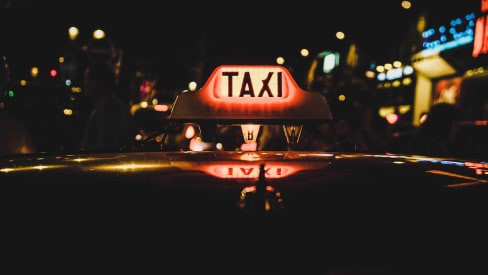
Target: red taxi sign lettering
250,171
257,83
245,170
250,93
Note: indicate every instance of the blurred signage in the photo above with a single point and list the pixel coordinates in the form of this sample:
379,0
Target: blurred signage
447,91
459,31
331,61
480,45
395,73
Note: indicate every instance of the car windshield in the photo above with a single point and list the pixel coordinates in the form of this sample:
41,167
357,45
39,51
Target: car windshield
110,83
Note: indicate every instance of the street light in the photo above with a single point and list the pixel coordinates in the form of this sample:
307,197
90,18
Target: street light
340,35
406,5
73,33
34,71
98,34
192,86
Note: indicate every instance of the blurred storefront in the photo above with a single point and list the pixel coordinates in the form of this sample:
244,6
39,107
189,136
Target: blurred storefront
452,67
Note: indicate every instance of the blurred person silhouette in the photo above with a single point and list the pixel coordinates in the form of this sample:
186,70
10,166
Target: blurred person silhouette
357,125
15,137
435,135
109,125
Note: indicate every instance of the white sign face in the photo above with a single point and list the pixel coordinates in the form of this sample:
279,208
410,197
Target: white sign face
258,83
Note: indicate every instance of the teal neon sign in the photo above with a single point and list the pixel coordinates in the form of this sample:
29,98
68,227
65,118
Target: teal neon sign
458,32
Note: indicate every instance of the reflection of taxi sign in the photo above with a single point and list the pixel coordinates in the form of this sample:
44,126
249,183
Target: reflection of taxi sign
250,93
243,170
249,171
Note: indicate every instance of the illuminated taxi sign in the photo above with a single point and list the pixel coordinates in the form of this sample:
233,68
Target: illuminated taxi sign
250,93
244,85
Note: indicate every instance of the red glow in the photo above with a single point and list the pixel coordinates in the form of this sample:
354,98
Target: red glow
479,168
161,108
480,44
249,171
257,92
484,5
392,118
250,146
53,72
252,189
481,123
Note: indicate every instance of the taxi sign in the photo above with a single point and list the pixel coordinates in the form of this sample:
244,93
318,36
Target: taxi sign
252,94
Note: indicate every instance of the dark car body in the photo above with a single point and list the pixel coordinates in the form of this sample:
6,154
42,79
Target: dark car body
322,211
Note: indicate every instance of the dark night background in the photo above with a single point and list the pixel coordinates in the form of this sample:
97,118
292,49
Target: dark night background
175,42
166,35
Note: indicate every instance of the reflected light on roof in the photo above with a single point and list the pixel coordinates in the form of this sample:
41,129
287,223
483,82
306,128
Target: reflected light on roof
473,181
249,171
29,168
249,146
129,167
